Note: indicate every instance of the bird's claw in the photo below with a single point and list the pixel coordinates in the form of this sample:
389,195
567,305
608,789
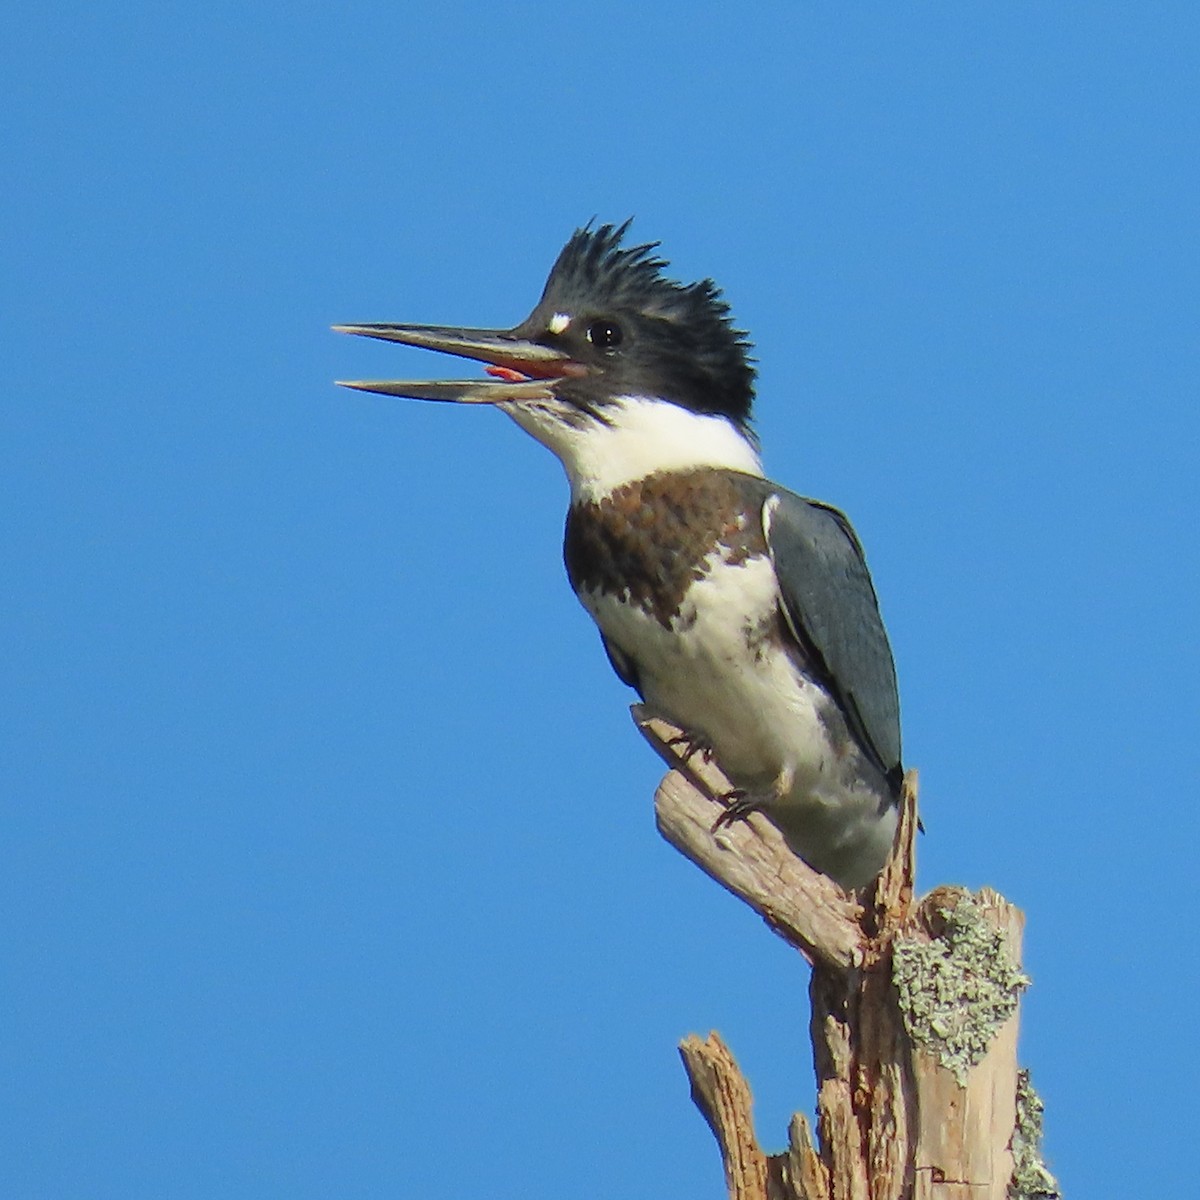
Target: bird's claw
739,805
686,746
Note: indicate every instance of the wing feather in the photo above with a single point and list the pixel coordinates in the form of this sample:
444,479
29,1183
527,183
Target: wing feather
832,611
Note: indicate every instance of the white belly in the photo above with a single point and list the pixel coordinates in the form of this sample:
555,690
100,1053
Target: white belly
720,674
756,710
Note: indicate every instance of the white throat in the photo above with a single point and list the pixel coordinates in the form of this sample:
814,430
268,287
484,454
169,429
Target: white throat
640,437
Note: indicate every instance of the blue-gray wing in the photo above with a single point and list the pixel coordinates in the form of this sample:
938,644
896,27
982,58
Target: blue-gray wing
831,609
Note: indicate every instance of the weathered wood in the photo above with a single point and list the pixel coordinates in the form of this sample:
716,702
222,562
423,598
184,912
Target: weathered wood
914,1017
961,1013
722,1094
802,1173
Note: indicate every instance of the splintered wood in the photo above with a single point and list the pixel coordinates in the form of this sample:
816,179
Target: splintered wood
914,1015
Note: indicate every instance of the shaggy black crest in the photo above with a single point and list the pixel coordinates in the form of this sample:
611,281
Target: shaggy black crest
677,341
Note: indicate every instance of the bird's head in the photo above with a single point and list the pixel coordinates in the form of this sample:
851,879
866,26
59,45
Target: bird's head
618,368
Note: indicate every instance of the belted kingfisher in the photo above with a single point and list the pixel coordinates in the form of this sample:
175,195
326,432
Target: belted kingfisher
742,613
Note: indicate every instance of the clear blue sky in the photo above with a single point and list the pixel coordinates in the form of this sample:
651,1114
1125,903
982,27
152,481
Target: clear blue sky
330,868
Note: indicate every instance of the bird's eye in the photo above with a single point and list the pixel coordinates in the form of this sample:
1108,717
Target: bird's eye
604,335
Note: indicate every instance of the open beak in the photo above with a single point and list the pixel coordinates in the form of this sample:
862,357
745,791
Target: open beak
523,369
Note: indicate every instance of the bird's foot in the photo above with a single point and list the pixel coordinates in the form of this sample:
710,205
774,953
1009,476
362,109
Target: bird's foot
687,745
739,805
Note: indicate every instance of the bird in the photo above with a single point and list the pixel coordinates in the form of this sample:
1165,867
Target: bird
739,611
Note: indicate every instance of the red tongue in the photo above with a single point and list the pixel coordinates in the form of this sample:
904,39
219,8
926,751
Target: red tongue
507,374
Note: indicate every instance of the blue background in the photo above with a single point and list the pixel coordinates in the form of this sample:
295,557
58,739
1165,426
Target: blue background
330,868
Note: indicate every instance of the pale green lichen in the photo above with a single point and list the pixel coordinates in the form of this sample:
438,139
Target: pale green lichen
1031,1178
957,990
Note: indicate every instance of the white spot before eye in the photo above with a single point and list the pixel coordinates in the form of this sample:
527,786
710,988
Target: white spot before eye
559,322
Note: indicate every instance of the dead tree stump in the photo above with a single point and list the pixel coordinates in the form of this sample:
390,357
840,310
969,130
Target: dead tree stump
914,1019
